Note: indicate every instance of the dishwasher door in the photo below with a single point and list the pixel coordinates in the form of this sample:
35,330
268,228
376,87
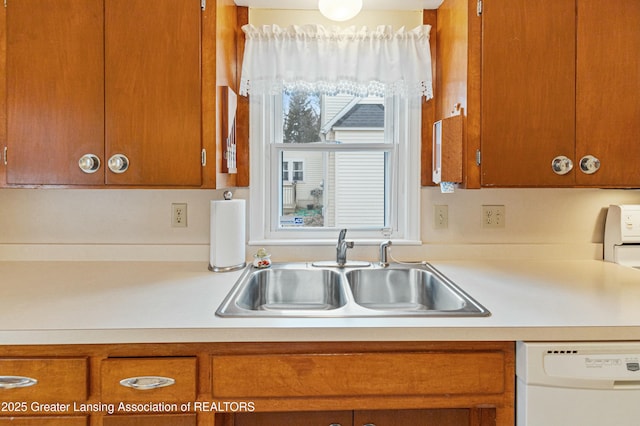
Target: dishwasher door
578,384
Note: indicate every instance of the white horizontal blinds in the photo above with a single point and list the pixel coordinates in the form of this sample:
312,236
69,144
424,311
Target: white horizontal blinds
315,59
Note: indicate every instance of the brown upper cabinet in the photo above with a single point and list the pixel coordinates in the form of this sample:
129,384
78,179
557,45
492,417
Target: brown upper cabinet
547,81
55,90
607,89
115,92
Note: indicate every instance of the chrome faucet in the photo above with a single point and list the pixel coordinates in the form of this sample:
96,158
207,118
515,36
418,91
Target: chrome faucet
341,248
384,253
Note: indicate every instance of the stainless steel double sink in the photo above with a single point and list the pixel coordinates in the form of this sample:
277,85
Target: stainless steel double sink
304,290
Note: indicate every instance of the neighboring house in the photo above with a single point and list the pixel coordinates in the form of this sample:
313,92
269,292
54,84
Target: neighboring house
352,182
301,173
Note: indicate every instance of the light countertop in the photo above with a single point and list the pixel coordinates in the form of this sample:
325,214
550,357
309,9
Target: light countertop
67,302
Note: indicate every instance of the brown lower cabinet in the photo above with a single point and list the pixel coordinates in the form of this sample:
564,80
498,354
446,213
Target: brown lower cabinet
316,418
261,383
152,420
440,417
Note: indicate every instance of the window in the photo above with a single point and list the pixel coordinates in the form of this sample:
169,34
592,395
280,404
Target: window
292,170
321,160
329,162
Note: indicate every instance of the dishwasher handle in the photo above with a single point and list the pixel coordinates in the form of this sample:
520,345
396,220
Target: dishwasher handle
626,384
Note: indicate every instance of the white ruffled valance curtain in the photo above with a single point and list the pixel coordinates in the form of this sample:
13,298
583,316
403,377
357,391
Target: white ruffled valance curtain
312,58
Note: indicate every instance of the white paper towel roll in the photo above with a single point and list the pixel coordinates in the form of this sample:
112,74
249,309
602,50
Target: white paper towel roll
227,235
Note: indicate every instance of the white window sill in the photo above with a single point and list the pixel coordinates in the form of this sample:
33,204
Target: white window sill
331,242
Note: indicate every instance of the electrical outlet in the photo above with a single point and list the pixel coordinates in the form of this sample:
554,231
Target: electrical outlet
493,216
179,215
441,216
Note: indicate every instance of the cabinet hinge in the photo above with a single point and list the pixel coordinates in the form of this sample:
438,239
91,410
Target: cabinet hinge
4,155
203,4
478,157
203,157
479,7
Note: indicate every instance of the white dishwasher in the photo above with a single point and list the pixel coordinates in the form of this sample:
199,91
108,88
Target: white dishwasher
578,384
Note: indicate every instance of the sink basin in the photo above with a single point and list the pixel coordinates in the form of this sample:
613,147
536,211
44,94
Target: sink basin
305,290
280,289
407,290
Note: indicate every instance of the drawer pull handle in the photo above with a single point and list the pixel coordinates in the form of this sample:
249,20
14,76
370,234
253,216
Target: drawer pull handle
11,382
147,382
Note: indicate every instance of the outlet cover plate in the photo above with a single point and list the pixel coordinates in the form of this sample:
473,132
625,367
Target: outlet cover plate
493,216
179,215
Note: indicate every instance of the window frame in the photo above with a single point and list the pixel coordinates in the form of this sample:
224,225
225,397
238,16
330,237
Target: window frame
404,176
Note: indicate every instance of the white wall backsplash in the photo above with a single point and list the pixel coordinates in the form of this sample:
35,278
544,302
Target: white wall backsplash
533,216
141,218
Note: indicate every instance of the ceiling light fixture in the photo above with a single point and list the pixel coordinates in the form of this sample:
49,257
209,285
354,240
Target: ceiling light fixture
340,10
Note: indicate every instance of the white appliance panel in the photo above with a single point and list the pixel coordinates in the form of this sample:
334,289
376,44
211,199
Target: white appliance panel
578,383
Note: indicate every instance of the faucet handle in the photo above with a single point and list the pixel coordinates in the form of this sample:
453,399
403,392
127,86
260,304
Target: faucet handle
384,253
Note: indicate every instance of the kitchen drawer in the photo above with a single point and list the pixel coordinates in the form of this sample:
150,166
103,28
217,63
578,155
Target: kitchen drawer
44,421
151,420
58,379
142,373
358,374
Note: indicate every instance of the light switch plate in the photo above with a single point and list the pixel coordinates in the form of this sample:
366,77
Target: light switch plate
441,216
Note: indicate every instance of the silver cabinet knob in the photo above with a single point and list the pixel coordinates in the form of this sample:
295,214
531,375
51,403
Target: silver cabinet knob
561,165
89,163
118,163
589,164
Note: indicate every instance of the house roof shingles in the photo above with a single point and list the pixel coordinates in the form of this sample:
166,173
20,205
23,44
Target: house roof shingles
363,115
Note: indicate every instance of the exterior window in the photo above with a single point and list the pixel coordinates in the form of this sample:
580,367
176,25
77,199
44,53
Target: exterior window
298,171
292,171
330,162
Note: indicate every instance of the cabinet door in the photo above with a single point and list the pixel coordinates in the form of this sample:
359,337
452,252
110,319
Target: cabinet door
55,90
440,417
319,418
608,84
151,420
528,91
153,106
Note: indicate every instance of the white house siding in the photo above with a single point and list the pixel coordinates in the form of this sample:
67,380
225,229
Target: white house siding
356,135
313,174
330,199
359,181
332,105
360,189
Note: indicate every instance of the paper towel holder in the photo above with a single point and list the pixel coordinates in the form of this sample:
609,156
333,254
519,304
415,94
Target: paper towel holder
227,196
